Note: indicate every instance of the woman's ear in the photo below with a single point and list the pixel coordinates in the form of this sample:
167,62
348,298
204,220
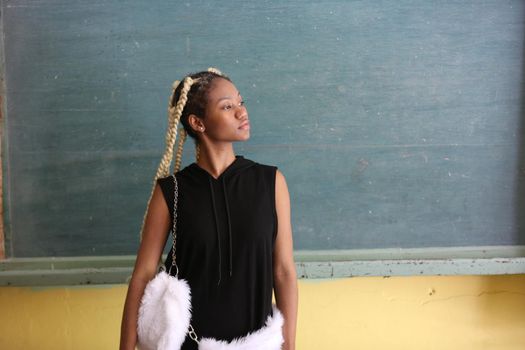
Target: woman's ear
196,123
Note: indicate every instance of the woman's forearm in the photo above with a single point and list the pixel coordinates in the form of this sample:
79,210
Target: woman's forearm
286,297
128,330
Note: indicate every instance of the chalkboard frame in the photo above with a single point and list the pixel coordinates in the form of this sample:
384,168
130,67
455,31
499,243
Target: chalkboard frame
310,265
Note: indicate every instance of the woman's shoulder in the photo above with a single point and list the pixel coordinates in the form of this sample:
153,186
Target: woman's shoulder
266,167
169,178
165,180
269,171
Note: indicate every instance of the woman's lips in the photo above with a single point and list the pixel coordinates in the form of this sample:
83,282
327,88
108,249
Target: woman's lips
244,126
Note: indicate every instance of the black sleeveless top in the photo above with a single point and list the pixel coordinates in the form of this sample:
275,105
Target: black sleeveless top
226,230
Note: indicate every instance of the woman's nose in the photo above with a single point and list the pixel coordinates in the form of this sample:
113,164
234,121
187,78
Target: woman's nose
241,112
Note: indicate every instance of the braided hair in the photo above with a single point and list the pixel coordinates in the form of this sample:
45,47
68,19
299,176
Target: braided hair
188,97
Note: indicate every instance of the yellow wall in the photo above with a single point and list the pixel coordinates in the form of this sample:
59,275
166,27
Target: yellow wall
427,312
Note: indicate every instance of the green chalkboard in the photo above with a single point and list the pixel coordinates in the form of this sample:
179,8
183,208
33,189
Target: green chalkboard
396,123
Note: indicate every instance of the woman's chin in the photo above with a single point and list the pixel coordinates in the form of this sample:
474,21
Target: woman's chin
244,136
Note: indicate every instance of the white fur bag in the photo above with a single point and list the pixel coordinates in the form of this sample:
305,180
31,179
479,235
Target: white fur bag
164,313
269,337
164,320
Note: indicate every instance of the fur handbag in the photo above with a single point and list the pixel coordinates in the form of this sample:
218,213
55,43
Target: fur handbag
165,313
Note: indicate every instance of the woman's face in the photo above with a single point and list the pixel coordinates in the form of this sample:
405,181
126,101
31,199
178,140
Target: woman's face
226,116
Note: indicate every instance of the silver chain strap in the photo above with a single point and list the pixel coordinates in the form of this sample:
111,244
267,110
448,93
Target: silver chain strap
191,333
173,230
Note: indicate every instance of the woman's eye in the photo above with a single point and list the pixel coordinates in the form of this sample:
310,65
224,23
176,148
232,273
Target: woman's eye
229,106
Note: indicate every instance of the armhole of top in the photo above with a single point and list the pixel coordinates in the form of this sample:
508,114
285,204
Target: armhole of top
274,206
167,186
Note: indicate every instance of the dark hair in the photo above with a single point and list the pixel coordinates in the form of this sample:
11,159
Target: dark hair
197,98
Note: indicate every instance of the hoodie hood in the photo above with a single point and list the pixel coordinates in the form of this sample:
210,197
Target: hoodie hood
219,186
238,165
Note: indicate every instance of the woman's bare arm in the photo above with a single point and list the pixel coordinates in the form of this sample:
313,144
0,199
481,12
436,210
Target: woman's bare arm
284,276
155,234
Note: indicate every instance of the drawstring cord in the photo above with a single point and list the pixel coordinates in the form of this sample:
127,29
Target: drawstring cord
230,239
229,224
216,228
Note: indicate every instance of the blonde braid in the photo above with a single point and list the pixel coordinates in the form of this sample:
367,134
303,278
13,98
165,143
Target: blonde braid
215,70
178,155
174,114
197,151
171,133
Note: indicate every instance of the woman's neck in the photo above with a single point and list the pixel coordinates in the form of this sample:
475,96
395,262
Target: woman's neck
216,159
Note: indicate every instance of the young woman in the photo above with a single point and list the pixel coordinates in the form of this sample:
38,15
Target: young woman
234,236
